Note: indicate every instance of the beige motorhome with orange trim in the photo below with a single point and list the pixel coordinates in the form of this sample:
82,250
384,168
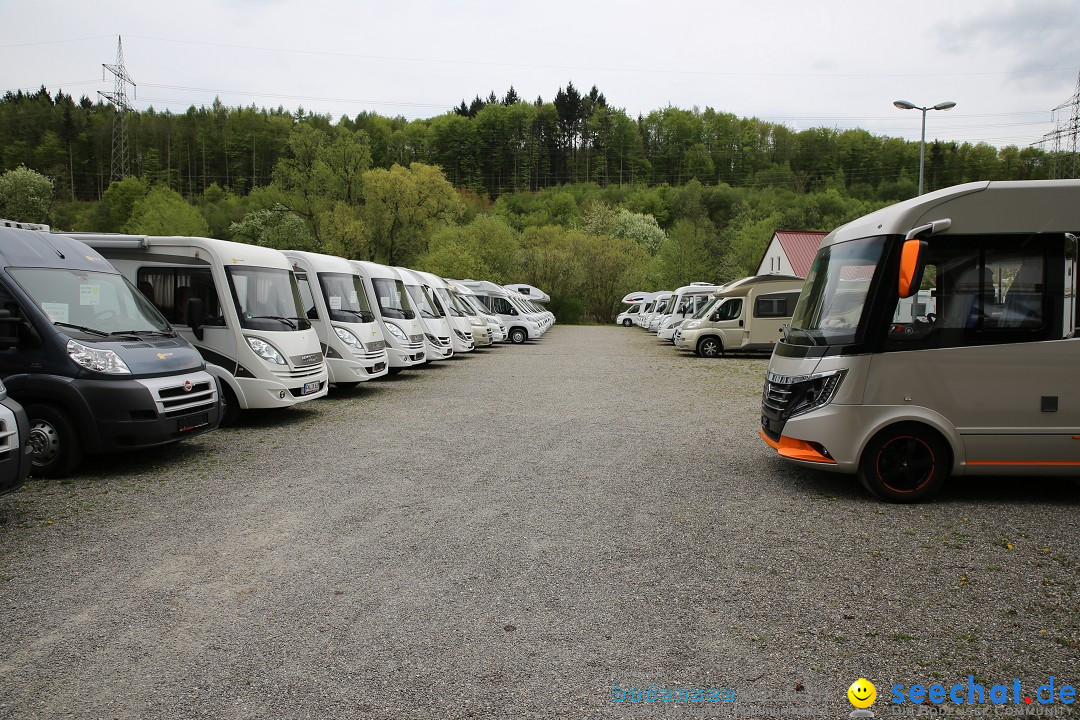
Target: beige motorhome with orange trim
980,381
745,315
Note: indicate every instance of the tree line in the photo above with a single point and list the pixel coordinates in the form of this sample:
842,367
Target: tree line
491,146
573,196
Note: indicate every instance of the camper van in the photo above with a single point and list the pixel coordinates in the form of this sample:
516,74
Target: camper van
748,315
985,384
94,364
687,301
238,304
401,328
437,332
333,298
519,325
495,326
468,329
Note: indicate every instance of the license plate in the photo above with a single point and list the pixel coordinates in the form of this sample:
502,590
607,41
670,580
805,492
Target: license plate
191,422
310,388
378,367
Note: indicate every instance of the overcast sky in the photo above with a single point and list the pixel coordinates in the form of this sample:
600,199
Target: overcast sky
836,64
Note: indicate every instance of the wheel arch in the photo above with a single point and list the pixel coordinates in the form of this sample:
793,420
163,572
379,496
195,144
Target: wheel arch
929,419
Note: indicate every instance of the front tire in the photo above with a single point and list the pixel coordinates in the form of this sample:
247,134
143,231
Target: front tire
518,335
56,447
627,322
231,413
710,347
905,463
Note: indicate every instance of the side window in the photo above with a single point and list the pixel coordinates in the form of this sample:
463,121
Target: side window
730,310
770,306
10,317
307,300
982,291
170,289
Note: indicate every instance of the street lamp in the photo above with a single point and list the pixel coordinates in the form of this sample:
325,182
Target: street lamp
905,105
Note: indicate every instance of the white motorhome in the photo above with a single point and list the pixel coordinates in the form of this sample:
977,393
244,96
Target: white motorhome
660,305
746,315
519,325
332,295
626,317
538,314
401,328
686,302
531,292
238,304
437,332
984,385
466,327
495,326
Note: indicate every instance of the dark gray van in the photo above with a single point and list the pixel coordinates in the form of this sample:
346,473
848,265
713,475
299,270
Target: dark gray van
95,365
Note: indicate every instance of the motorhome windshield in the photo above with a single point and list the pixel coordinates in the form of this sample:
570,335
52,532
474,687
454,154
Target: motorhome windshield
267,299
706,308
94,302
476,305
422,302
662,308
390,295
450,303
345,298
831,305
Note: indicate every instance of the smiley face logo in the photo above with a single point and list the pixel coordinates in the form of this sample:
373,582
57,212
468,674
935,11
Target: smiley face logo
862,693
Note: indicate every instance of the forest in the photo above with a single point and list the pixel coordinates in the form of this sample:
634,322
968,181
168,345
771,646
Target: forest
571,195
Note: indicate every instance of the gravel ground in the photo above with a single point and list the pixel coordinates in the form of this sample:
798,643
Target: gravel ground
515,534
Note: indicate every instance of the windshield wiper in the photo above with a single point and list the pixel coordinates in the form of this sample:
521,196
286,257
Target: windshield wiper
92,331
285,320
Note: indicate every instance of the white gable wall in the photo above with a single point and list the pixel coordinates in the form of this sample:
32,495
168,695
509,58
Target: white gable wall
775,260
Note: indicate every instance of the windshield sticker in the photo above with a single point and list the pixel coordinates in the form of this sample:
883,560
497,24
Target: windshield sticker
89,294
353,300
57,312
335,302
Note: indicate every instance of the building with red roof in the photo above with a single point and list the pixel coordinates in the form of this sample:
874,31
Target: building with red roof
790,252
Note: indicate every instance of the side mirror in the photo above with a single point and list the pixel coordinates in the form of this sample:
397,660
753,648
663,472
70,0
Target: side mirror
715,317
513,311
193,316
912,264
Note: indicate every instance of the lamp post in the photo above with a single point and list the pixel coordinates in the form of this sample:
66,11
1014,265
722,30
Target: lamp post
905,105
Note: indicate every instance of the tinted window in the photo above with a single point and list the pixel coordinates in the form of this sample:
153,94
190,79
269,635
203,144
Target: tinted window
170,288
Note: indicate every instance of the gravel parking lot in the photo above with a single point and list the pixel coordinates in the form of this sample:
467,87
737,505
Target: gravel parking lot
523,532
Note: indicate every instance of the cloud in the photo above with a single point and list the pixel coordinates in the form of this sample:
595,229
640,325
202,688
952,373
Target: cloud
1031,35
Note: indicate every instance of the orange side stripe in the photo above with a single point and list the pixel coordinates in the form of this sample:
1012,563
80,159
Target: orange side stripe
1064,463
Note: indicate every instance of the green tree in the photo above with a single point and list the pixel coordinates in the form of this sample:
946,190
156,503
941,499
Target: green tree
402,207
164,212
276,227
25,196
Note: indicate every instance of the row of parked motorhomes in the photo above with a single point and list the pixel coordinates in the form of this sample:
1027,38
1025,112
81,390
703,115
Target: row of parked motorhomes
744,315
933,338
112,342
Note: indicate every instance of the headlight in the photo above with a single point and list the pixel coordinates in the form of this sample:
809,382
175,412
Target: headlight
476,322
692,324
397,332
431,338
102,361
265,350
348,338
809,392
